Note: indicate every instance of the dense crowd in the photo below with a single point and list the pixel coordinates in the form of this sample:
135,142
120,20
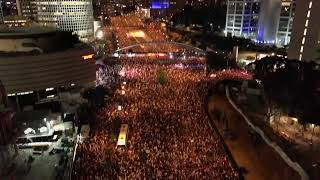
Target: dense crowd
231,74
130,29
106,75
169,136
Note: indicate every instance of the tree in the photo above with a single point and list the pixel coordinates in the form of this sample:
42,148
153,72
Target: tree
83,113
161,76
318,51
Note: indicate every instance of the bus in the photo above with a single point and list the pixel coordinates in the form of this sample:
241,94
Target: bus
122,139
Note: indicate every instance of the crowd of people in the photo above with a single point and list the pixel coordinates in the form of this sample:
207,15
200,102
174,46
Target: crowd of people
106,75
169,135
231,74
130,29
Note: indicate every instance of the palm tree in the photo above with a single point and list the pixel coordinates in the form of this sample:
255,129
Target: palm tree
83,112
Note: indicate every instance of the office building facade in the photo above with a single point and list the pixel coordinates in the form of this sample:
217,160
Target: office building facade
284,28
242,18
305,40
264,21
67,15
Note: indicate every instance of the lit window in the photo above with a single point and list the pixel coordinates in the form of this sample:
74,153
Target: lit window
307,22
308,15
305,31
303,40
300,57
301,49
310,5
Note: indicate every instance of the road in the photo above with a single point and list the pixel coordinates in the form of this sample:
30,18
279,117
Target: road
260,161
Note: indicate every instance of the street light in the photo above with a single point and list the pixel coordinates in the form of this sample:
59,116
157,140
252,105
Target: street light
99,34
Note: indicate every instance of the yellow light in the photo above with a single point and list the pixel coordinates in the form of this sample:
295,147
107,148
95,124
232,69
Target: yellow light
89,56
136,34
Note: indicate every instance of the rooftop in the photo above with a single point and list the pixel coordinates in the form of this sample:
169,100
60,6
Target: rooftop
6,32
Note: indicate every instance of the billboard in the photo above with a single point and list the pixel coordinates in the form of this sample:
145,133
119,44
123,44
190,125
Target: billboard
160,4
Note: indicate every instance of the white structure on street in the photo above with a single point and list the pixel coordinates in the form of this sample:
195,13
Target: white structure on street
305,40
67,15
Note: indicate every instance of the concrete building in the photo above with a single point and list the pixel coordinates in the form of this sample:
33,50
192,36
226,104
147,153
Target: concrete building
67,15
264,21
38,63
305,39
17,21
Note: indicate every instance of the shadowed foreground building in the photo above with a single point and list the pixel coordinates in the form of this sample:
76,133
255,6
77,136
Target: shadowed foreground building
37,63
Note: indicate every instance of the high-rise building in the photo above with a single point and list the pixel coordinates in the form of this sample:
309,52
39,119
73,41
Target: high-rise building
265,21
305,38
285,22
67,15
242,18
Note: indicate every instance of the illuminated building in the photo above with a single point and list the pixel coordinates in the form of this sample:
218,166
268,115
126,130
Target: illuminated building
305,38
264,21
242,18
16,21
285,22
160,4
159,8
67,15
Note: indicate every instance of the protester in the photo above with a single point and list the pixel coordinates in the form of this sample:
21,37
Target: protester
169,136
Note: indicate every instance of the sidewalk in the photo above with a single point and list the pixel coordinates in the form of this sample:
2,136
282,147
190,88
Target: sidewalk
259,160
287,136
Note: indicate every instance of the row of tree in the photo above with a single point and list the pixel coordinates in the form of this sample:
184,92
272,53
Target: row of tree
291,85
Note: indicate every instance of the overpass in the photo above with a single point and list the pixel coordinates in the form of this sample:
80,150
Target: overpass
186,46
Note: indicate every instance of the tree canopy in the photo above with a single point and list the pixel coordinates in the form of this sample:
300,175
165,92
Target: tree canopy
293,85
